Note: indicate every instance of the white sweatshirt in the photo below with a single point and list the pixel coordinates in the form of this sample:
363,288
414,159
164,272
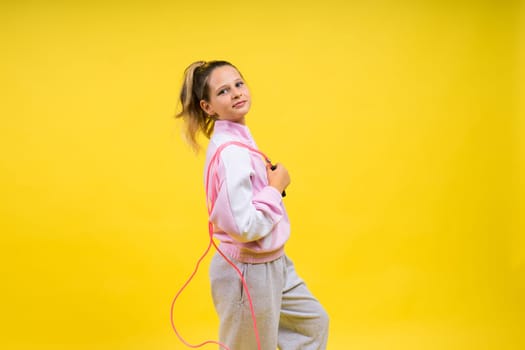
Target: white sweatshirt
248,216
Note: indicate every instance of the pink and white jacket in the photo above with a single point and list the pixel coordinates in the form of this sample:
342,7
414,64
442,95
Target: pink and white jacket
248,216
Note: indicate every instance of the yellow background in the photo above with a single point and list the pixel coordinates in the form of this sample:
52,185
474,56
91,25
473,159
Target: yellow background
400,122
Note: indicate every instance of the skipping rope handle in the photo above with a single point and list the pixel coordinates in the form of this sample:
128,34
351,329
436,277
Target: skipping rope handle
273,167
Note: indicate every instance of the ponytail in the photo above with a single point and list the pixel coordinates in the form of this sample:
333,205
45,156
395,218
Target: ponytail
194,89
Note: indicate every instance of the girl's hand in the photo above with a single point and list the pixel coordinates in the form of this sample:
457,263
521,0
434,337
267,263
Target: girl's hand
278,178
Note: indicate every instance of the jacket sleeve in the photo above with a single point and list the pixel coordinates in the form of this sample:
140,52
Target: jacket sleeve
238,211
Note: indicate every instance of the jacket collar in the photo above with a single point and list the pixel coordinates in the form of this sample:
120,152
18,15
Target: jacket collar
238,131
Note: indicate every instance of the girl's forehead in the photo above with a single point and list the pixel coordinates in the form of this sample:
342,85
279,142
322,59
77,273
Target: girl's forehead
223,75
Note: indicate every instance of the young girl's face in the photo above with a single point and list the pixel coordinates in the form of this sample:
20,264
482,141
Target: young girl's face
229,96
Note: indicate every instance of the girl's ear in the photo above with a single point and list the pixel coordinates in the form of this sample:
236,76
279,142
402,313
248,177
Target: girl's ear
206,107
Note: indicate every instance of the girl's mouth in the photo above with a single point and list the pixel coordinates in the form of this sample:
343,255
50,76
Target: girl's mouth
239,104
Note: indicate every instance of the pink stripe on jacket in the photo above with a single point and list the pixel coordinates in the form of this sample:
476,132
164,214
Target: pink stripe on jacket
249,217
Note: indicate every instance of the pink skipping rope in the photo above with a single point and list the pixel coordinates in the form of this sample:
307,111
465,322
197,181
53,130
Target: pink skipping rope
210,205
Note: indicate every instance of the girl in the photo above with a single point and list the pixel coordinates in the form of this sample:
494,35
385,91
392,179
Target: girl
249,220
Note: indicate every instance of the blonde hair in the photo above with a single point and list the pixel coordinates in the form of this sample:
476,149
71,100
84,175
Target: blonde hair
194,89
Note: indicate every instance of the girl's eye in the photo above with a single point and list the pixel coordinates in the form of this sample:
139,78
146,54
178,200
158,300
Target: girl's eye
239,84
223,91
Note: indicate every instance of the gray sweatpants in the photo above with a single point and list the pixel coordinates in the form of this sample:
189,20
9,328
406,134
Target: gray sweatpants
287,314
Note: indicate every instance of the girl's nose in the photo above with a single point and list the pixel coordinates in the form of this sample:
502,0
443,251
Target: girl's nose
237,93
